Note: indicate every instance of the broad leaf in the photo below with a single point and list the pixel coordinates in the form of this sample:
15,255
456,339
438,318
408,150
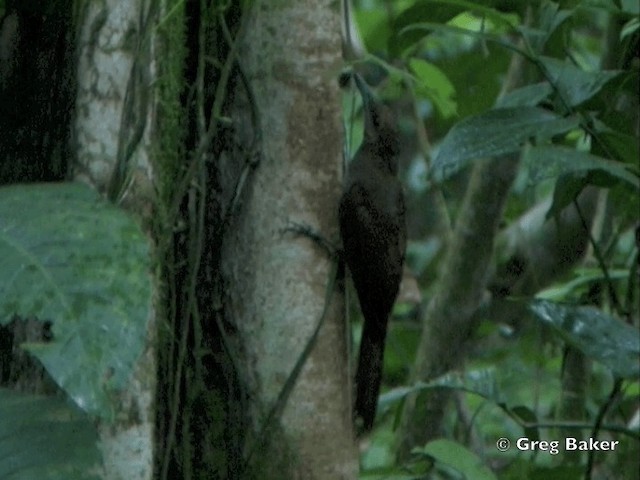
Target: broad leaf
373,25
435,86
528,96
617,144
71,258
41,437
494,133
550,17
575,85
420,11
481,35
566,190
551,161
583,278
630,28
481,382
598,335
457,457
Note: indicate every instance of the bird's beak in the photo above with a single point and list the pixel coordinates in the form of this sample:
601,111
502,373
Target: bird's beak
368,102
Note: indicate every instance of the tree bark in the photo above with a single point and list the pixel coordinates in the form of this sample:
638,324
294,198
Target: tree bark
277,282
113,142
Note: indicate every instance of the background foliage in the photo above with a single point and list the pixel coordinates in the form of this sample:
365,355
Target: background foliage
75,270
72,259
442,64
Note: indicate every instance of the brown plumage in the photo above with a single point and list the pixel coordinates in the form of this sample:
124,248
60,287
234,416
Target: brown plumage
372,226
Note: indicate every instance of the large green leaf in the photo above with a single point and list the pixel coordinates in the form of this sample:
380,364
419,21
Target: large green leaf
530,95
598,335
374,28
43,438
435,86
420,11
550,17
458,21
575,85
69,257
480,35
457,457
583,279
480,382
495,133
551,161
617,144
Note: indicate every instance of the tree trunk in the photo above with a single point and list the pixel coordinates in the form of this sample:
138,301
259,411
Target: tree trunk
278,283
449,318
140,140
113,141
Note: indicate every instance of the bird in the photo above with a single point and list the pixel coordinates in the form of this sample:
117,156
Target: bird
373,232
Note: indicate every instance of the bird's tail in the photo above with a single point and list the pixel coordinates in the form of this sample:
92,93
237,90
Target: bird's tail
369,374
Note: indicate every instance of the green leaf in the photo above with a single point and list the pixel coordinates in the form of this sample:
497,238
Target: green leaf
495,133
457,457
435,86
528,96
550,17
373,25
630,28
69,257
441,11
438,13
380,454
42,437
598,335
583,278
566,190
551,161
481,382
619,145
412,30
574,85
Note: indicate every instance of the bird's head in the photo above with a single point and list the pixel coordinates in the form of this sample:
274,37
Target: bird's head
380,129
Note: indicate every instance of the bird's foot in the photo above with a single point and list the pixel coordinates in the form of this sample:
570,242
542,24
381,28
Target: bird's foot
314,235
